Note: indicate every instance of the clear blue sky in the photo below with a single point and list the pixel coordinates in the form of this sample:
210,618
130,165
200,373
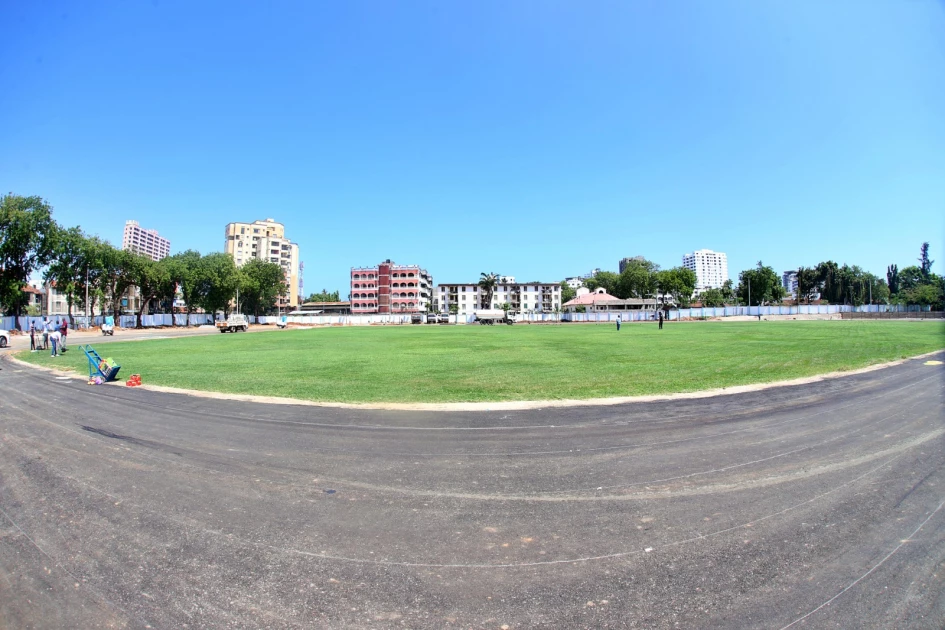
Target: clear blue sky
536,139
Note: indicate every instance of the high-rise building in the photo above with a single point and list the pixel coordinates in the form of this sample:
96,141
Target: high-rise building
626,261
711,268
146,242
390,288
789,281
266,241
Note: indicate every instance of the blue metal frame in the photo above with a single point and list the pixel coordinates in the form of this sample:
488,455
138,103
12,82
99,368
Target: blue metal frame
94,360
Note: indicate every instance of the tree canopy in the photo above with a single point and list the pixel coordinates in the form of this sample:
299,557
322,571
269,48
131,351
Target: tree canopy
760,286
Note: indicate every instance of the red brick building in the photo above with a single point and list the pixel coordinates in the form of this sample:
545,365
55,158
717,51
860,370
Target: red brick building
390,288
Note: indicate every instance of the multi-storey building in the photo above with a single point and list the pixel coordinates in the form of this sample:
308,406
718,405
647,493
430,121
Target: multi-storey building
626,261
789,281
147,242
711,268
574,282
266,241
390,288
528,297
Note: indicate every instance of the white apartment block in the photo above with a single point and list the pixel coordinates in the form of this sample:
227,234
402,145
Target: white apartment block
574,282
535,297
147,242
711,268
266,241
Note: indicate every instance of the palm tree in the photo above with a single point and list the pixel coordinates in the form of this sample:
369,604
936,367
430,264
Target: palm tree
487,282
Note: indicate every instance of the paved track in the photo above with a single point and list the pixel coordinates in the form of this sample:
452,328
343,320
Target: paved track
819,506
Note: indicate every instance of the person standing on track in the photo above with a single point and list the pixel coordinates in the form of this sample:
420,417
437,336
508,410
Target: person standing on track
32,336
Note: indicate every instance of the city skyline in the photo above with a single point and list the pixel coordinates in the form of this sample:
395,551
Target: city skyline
538,142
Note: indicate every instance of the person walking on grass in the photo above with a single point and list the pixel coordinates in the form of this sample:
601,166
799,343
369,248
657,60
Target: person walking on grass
618,323
63,331
54,340
661,320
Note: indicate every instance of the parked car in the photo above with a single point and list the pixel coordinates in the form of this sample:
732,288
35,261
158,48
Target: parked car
431,318
4,338
416,318
444,318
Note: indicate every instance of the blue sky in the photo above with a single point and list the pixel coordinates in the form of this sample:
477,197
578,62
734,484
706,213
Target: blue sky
536,139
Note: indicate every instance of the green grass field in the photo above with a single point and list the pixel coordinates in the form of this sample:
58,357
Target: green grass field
493,363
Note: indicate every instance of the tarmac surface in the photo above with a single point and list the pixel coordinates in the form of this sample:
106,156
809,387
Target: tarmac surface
813,506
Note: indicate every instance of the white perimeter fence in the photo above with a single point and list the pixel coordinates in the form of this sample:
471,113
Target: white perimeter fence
129,321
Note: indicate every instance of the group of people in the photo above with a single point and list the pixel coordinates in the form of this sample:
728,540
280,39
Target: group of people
53,336
660,317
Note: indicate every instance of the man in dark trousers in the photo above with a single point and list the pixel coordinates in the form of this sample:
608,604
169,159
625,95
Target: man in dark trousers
661,320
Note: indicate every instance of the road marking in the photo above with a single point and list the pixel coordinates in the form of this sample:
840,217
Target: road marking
932,363
876,566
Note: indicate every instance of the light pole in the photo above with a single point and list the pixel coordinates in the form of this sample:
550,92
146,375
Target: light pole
87,295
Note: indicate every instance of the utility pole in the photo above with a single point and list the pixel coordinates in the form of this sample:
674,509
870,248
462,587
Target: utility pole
87,295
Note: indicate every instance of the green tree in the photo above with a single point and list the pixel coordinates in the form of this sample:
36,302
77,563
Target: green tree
324,296
910,278
925,265
261,286
116,276
637,280
26,225
892,278
808,284
184,269
567,293
606,280
151,278
66,268
487,282
96,272
678,282
712,297
216,283
828,277
762,284
930,294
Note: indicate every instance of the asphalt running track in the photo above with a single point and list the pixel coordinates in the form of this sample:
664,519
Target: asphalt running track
815,506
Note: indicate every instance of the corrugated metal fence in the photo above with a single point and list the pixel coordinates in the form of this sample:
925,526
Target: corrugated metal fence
128,321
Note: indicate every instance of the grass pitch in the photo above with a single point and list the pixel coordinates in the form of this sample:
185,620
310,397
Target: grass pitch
500,363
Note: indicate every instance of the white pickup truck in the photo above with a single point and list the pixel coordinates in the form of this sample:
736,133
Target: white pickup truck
234,323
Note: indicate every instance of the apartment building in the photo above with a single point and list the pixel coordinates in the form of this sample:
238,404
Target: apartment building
390,288
266,241
789,281
146,242
528,297
711,268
